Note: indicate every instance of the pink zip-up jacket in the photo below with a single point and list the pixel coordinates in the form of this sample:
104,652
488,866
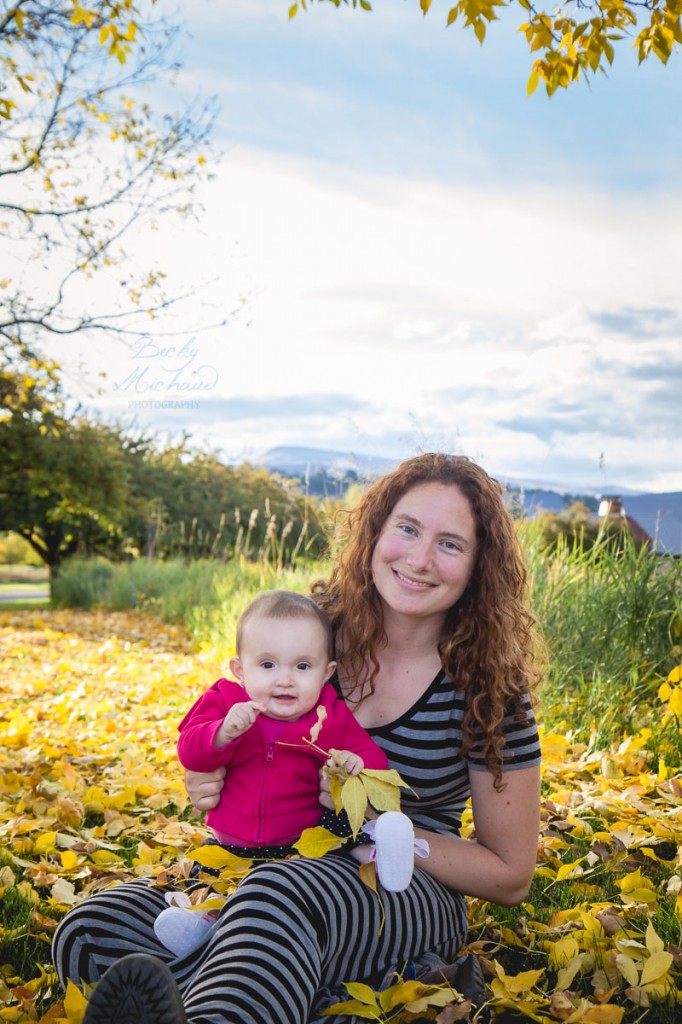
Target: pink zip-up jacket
271,792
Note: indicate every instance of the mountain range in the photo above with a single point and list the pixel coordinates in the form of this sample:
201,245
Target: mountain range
306,463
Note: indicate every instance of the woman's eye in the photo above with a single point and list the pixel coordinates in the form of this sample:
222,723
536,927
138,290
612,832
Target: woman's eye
406,528
450,545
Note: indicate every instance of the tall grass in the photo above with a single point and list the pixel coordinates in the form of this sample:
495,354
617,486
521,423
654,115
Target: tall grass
206,594
612,619
611,615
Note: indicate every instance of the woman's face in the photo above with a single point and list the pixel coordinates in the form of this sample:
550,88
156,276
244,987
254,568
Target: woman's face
426,551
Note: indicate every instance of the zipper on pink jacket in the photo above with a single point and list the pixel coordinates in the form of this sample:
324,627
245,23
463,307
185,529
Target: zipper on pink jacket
269,759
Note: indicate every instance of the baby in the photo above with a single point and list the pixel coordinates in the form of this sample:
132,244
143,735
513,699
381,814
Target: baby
259,728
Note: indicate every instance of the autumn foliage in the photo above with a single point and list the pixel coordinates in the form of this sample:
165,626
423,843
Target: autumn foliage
574,40
91,794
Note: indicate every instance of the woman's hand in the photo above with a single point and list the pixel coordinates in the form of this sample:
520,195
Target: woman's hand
204,788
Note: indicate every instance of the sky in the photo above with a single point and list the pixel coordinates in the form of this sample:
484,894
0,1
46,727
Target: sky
412,254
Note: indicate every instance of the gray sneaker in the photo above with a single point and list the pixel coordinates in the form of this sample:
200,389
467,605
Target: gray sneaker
138,989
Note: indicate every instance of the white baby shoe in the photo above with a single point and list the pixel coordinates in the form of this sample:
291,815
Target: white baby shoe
179,928
394,850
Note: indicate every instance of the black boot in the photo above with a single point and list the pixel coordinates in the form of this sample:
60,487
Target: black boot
138,989
465,975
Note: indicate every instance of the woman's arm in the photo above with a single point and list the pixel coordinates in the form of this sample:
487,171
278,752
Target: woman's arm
498,864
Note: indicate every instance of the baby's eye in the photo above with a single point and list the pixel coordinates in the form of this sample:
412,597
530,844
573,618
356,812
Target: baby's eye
303,665
267,664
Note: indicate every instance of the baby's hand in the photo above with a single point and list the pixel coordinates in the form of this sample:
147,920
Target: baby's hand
353,763
237,720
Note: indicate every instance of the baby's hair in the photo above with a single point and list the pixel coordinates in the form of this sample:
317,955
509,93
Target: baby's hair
284,604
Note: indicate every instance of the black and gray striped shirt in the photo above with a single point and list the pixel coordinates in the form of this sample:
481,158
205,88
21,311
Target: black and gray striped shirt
424,746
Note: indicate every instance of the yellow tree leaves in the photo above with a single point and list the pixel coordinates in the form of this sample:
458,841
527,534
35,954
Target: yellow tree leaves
573,40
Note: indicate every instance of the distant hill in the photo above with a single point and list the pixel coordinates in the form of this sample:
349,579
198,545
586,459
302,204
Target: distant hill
330,472
304,462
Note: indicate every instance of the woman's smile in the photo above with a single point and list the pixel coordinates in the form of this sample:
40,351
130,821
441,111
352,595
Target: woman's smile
410,581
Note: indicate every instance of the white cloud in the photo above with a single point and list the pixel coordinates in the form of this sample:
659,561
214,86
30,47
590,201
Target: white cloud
444,311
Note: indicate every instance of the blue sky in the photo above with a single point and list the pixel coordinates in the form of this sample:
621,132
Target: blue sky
419,255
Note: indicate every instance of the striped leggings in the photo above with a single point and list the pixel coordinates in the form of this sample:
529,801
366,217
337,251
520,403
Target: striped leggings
291,933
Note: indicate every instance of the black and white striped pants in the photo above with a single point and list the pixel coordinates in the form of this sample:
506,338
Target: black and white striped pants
292,930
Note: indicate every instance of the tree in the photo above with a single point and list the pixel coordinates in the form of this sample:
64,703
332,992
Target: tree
577,526
86,487
64,485
83,159
570,40
191,505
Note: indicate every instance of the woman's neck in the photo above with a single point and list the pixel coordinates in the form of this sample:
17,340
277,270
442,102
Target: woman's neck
406,637
408,662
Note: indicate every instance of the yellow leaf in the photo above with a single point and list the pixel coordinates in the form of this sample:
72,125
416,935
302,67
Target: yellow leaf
383,796
389,775
675,702
363,993
335,787
626,966
94,799
635,880
569,870
368,875
354,800
353,1008
315,842
74,1004
655,967
81,16
566,974
516,983
605,1014
403,992
45,843
69,860
562,951
636,896
654,942
213,856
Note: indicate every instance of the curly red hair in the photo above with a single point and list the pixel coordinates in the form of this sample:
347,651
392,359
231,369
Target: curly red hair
490,644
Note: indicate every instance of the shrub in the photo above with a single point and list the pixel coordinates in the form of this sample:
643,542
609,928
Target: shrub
14,550
82,583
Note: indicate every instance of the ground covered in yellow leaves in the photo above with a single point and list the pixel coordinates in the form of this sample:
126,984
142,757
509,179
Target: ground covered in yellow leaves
91,792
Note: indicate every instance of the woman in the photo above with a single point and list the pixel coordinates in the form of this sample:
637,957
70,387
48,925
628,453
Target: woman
435,647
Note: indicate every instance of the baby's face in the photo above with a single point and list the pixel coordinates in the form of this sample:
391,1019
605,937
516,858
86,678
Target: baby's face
284,664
